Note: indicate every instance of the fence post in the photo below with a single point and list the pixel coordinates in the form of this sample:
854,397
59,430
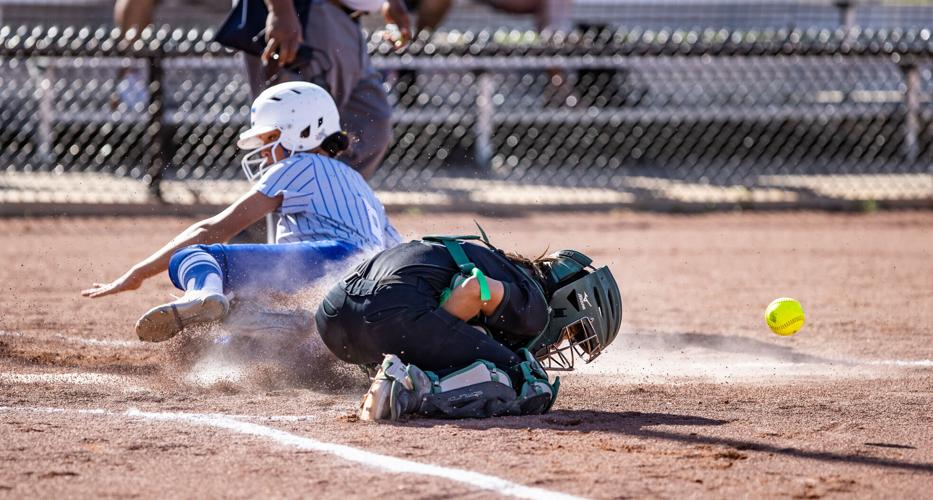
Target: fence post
483,129
846,13
159,144
911,109
46,135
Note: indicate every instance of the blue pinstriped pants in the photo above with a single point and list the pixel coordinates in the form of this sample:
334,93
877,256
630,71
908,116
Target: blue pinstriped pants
286,267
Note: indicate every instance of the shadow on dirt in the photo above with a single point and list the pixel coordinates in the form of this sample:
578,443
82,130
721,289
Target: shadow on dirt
627,422
721,343
637,424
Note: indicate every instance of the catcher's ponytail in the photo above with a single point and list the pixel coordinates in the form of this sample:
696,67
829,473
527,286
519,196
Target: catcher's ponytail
336,143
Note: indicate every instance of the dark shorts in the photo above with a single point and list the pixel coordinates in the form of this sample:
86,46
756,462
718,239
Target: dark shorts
362,324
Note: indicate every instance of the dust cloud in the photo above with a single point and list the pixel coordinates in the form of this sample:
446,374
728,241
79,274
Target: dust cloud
268,341
688,357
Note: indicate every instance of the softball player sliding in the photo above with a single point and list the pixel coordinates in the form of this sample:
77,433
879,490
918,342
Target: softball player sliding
327,213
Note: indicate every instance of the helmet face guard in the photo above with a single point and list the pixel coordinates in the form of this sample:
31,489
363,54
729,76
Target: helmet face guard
254,164
577,340
586,315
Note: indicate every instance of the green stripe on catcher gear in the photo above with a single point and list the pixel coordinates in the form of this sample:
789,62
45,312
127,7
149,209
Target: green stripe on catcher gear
467,268
586,311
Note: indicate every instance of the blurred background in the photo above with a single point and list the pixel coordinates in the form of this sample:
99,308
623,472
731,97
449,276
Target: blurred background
666,105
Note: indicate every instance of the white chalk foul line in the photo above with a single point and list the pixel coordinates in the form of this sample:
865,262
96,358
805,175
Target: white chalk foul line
909,363
367,458
74,340
101,411
384,462
80,411
73,378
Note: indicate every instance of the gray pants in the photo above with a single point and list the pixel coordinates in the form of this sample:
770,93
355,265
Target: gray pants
341,65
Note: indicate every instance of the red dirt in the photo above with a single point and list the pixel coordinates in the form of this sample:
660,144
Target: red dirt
695,399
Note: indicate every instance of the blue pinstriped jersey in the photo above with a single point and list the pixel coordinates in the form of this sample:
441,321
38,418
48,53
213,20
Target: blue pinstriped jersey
325,199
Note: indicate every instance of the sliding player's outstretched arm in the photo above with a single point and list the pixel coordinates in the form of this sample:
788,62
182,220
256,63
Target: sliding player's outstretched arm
217,229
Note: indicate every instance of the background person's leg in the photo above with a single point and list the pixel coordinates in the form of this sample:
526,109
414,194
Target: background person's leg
336,40
254,74
367,117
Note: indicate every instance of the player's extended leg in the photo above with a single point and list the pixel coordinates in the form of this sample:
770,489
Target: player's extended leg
207,272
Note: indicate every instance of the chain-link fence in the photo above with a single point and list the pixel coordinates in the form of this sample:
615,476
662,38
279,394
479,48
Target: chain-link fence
719,14
478,15
632,111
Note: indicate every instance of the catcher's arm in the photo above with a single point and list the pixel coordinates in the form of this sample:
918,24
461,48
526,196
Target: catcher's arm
217,229
465,302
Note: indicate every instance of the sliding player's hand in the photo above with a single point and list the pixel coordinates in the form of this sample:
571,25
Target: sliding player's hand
129,281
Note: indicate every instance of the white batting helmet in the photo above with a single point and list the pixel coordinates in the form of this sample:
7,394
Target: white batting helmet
302,112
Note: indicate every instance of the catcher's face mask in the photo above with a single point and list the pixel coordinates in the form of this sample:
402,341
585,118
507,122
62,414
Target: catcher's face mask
586,312
576,341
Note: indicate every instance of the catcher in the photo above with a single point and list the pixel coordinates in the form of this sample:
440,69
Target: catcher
462,330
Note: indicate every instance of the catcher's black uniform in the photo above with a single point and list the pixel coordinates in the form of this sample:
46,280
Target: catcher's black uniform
390,304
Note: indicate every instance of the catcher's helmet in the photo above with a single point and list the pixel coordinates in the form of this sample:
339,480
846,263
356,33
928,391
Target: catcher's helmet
302,112
585,311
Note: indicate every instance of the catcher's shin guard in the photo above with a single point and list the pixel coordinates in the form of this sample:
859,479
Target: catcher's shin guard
479,390
482,390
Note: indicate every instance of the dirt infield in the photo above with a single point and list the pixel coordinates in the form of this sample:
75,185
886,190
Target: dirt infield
696,398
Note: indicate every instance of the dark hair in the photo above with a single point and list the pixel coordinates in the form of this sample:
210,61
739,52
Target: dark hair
336,143
536,266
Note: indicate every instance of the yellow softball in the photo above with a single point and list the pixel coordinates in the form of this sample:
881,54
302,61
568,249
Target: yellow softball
784,316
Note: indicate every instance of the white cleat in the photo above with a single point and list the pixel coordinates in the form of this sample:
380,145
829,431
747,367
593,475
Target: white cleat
377,401
164,322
